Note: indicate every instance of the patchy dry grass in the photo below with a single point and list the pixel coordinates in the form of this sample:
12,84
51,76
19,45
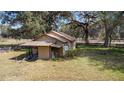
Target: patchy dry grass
78,68
6,41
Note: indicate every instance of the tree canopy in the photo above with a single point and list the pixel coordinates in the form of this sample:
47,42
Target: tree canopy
105,25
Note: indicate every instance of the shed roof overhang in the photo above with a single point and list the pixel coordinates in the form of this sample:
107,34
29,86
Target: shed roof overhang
39,43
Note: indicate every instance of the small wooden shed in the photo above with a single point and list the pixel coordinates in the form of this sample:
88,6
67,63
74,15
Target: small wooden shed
51,45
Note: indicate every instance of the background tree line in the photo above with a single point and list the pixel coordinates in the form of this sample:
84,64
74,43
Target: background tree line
103,25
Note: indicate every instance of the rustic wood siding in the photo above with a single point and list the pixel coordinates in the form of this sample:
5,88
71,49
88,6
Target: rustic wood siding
49,39
44,52
34,50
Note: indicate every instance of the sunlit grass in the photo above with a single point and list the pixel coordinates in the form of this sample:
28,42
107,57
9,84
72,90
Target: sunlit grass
4,41
78,68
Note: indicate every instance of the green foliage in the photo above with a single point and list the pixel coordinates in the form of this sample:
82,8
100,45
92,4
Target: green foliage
33,23
74,52
110,20
84,50
102,25
73,30
4,30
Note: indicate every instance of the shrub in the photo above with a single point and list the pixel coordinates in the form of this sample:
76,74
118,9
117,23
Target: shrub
74,52
70,53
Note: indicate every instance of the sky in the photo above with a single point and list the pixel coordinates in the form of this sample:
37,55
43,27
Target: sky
18,25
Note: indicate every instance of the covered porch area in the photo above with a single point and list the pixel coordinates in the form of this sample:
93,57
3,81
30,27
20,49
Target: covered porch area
43,50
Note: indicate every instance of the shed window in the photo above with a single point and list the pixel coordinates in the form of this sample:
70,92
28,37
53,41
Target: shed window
66,47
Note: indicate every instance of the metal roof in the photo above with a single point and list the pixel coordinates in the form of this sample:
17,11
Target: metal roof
39,43
68,37
56,37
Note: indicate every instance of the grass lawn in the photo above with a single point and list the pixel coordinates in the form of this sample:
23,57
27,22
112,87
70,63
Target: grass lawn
5,41
91,65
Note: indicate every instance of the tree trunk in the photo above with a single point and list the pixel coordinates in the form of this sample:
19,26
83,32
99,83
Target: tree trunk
86,36
106,42
110,40
107,35
86,30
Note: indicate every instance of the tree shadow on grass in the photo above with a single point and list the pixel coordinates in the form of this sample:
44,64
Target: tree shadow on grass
104,58
109,59
18,58
23,57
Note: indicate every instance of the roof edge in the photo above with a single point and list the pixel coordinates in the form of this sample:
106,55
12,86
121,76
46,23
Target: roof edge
68,36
